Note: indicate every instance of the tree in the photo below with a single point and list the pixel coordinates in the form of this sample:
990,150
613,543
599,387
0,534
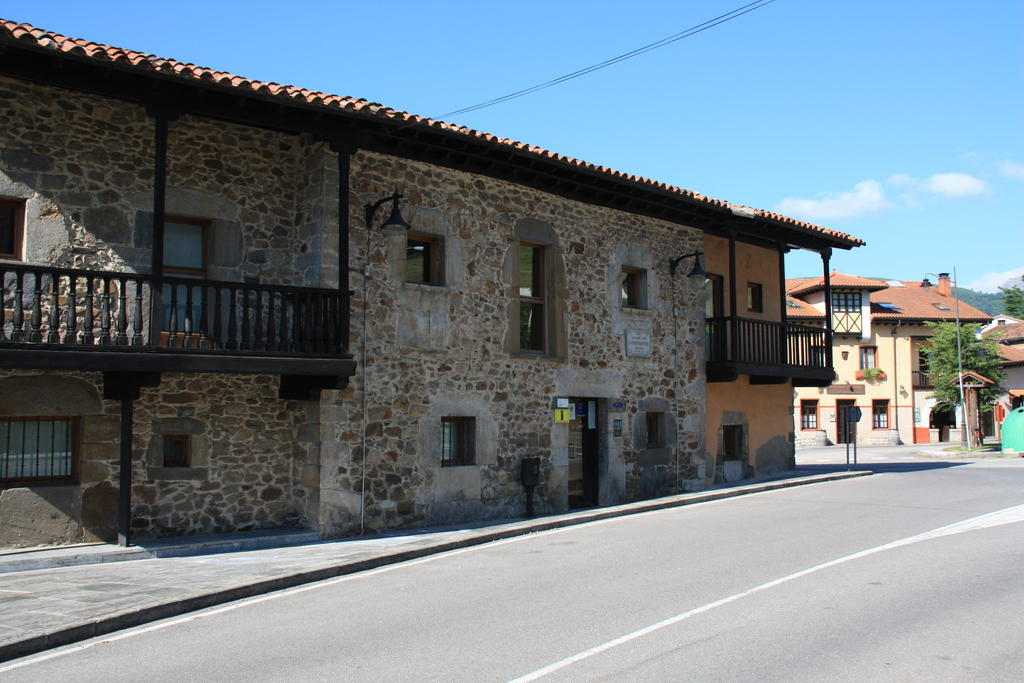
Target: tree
978,355
1013,300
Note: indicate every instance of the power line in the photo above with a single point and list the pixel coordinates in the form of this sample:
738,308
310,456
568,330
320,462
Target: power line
692,31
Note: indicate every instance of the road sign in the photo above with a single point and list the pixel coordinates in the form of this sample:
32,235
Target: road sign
853,414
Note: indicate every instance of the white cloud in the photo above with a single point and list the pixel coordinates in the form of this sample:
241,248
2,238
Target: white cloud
901,180
991,282
1011,169
867,196
955,185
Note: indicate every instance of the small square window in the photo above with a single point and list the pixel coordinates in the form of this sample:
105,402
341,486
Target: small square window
12,228
458,441
176,450
423,260
655,423
633,285
755,298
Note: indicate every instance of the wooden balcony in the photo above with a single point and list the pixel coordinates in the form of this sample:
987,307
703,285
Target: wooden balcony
922,380
770,352
67,319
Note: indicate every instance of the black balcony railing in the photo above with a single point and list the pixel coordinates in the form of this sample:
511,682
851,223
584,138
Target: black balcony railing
765,342
98,310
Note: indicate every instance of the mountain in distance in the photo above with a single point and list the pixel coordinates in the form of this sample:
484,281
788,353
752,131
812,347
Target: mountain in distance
983,301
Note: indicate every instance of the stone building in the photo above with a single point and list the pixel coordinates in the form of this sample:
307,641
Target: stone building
209,322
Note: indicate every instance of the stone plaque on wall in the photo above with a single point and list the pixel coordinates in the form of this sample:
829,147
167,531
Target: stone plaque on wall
638,343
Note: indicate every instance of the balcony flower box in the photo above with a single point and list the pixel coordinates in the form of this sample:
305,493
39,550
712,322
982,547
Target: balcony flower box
871,374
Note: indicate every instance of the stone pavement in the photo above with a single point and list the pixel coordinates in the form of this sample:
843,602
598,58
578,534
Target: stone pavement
111,588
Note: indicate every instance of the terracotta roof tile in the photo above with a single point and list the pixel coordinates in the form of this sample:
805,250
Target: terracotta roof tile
921,303
910,299
808,285
1010,354
28,33
1000,332
796,308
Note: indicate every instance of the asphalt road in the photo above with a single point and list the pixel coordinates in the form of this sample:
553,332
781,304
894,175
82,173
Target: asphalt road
851,580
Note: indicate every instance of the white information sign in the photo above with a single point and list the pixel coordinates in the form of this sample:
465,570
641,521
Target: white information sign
638,343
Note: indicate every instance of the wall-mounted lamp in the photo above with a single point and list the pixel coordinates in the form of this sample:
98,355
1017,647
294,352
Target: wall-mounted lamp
395,220
698,269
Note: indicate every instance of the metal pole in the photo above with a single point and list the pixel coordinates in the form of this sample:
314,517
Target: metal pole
844,416
855,445
965,437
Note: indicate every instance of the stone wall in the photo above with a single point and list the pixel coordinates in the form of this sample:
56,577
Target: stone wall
84,165
64,513
368,455
436,350
249,454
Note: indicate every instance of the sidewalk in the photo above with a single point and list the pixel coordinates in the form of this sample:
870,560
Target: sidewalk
46,603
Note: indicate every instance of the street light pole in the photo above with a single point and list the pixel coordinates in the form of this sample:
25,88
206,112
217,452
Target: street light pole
965,432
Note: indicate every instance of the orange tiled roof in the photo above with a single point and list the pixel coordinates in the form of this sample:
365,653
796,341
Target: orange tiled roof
1001,332
921,303
13,31
811,284
1011,355
797,308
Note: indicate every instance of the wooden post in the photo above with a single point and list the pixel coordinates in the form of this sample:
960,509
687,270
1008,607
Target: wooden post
161,122
783,357
733,320
826,255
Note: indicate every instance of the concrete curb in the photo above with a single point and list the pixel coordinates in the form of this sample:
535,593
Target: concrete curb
117,622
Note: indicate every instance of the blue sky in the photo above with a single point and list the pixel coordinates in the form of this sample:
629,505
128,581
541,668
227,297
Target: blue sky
901,122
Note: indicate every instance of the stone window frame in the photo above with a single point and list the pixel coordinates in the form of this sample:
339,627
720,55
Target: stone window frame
555,336
183,457
537,296
740,429
654,422
633,284
198,468
75,425
464,427
435,262
17,207
755,297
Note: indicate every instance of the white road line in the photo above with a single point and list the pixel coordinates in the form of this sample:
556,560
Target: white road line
997,518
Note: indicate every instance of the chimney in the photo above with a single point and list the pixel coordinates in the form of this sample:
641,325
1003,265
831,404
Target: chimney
944,288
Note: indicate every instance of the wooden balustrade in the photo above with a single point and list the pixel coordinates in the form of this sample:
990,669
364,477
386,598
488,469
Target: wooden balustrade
765,342
70,308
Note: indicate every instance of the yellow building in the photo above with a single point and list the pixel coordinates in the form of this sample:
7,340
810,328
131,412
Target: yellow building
879,342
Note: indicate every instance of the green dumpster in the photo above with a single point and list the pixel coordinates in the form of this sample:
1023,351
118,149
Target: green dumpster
1013,431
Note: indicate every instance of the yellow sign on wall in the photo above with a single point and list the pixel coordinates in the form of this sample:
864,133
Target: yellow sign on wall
561,415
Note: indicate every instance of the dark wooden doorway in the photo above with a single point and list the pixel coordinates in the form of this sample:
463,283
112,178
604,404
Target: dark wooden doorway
583,452
845,431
